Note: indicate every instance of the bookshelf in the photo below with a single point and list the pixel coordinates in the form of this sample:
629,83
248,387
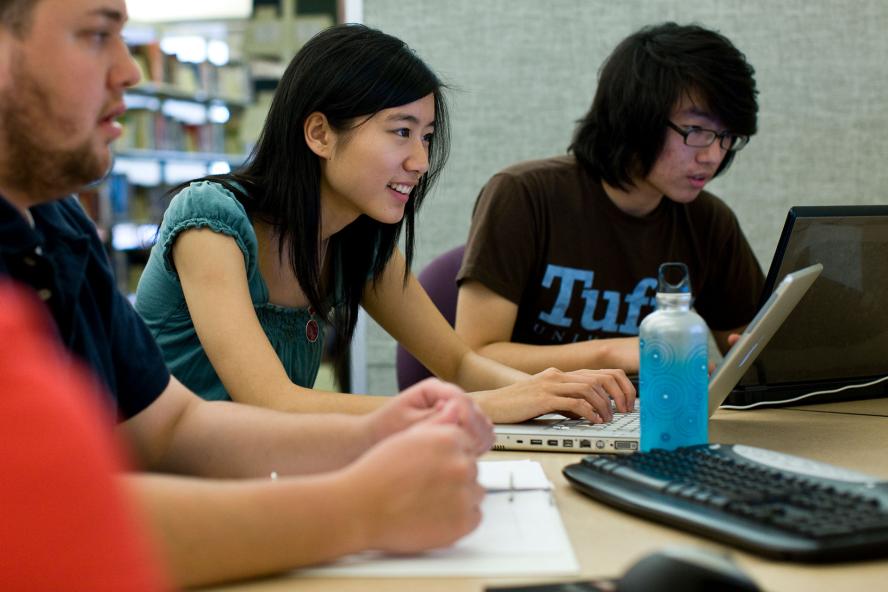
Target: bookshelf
183,121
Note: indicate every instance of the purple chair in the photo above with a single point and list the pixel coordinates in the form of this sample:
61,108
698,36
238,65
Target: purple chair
439,280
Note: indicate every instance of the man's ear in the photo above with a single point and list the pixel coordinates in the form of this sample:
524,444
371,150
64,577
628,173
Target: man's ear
319,136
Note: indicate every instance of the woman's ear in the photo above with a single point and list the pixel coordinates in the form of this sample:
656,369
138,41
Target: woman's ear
319,136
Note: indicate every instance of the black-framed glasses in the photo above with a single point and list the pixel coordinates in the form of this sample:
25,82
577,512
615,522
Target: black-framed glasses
698,137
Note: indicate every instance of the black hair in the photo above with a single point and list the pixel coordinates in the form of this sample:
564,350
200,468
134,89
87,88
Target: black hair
15,15
346,72
640,84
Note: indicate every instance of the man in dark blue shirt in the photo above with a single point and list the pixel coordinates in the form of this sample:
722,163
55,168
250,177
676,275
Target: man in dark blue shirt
401,478
61,258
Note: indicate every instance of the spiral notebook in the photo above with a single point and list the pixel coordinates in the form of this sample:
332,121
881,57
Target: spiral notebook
622,435
521,534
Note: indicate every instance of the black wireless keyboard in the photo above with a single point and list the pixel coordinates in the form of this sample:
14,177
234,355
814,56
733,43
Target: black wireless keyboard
772,504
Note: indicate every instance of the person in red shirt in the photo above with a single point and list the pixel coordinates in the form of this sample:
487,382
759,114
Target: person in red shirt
66,521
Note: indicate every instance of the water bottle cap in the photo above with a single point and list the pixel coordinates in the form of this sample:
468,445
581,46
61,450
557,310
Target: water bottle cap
674,279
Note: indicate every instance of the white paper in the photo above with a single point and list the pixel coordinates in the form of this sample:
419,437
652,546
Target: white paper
521,534
512,474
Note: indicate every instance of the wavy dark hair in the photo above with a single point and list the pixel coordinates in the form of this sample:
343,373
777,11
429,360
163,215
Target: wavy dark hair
640,84
347,72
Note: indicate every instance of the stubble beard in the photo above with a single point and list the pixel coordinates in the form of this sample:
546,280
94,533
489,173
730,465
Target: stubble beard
29,163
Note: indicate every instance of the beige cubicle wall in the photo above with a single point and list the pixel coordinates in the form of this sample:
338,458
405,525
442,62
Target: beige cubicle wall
523,71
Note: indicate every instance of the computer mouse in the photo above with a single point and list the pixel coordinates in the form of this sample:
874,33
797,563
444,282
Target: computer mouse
686,569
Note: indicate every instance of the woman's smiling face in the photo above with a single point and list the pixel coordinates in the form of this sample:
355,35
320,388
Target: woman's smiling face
373,167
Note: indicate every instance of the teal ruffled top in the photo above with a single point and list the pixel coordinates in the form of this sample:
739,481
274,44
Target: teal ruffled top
161,302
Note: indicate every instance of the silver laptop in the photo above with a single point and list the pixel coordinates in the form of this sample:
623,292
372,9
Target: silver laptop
621,435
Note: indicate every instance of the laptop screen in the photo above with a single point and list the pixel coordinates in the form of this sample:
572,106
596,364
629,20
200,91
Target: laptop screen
838,333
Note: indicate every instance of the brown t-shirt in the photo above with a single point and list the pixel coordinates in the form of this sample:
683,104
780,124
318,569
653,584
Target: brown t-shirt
545,236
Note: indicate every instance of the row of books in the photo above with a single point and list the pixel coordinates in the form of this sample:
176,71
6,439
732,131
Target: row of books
130,203
144,129
230,81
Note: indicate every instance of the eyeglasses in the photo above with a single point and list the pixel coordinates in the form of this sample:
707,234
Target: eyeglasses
698,137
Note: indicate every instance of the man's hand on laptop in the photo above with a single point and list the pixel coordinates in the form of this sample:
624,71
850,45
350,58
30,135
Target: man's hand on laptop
581,393
731,338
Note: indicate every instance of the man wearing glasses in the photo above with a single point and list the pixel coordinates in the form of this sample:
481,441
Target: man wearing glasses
561,262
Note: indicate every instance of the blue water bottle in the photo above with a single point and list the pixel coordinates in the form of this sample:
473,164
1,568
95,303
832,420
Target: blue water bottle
673,377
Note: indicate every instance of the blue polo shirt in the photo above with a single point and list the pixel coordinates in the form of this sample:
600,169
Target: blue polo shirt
63,260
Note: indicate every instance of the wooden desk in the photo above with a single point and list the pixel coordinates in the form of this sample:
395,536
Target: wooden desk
862,407
607,541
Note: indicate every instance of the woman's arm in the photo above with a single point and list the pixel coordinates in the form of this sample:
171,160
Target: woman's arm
217,293
409,315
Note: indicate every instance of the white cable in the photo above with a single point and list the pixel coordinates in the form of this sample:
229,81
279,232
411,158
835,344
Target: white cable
805,396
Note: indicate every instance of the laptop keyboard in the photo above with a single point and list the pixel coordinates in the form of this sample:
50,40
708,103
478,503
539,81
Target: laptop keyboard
621,422
769,503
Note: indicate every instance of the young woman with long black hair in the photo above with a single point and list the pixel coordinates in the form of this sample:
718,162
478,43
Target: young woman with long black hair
249,266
